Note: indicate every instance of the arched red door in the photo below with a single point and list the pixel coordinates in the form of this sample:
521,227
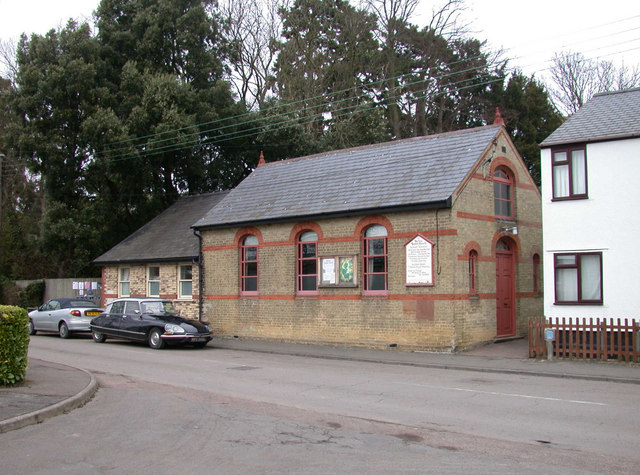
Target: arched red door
505,289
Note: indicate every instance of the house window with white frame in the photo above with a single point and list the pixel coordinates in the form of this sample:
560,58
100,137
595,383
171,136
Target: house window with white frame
578,278
124,282
569,173
153,281
185,281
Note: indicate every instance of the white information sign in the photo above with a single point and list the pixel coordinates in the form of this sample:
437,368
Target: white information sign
419,254
328,271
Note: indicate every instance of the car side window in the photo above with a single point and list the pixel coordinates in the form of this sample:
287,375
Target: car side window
54,305
152,307
132,308
117,307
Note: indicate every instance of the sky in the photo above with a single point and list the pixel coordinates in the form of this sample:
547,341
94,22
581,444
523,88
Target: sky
530,32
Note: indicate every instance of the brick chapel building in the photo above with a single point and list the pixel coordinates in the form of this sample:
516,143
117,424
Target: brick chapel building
429,243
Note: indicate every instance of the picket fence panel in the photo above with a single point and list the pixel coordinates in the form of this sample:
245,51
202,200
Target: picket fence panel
594,339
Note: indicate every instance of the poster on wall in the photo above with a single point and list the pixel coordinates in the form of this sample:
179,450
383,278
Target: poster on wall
347,270
338,271
328,271
419,261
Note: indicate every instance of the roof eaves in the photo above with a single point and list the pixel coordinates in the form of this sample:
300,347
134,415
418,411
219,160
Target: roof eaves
144,260
602,138
438,204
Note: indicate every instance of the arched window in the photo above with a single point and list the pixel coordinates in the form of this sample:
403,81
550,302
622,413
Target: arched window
249,265
307,263
473,272
375,259
503,193
536,273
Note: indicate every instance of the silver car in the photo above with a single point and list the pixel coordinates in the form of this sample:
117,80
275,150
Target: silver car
64,316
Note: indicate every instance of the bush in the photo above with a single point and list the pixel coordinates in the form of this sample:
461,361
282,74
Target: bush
14,344
32,295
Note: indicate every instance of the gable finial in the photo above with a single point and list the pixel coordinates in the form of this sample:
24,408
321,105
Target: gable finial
261,160
498,119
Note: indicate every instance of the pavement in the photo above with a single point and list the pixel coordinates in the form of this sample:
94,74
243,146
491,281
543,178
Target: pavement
51,389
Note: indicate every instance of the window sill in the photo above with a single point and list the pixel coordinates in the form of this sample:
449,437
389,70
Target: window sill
570,198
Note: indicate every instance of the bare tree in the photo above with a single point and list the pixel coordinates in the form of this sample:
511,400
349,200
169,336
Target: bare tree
252,28
446,20
8,63
576,79
410,54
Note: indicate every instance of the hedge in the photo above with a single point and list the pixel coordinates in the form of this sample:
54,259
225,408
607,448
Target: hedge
14,344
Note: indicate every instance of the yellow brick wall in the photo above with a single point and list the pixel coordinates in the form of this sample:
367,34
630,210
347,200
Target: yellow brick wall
472,218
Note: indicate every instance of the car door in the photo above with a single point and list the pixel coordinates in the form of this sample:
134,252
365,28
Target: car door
132,324
45,319
38,315
111,323
60,312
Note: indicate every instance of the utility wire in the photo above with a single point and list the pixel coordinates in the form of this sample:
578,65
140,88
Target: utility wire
284,124
287,105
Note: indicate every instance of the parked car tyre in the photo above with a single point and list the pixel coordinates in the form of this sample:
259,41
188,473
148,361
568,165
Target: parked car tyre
63,331
98,337
155,340
30,328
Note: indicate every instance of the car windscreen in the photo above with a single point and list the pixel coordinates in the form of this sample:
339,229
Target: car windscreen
159,307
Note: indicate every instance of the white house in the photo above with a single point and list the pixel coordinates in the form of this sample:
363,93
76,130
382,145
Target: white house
590,210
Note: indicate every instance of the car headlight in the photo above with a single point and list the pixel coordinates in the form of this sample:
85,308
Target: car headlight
173,329
206,327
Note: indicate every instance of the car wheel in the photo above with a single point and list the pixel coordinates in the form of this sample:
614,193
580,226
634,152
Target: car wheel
30,328
63,330
155,340
98,337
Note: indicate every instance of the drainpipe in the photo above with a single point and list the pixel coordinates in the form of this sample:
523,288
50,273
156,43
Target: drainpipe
200,274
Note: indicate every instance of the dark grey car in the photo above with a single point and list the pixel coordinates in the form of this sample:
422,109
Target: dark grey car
150,320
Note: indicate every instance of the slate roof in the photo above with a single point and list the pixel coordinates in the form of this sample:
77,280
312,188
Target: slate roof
167,237
416,172
606,116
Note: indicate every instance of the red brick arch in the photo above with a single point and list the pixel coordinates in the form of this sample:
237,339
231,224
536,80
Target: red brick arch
472,246
304,226
364,223
513,239
535,250
505,163
242,232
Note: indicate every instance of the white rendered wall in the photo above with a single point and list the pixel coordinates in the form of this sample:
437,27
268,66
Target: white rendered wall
607,221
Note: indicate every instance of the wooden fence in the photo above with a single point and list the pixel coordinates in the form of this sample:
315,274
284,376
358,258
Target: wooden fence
596,339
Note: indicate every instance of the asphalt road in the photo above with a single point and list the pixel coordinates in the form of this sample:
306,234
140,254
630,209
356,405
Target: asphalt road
223,411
